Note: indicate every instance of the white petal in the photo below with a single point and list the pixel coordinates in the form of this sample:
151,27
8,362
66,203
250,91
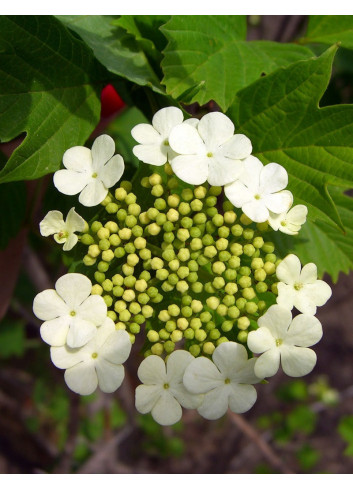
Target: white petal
297,214
73,288
93,193
268,363
78,159
251,173
70,242
152,370
146,397
70,182
184,397
167,118
261,340
230,357
54,332
247,374
237,147
48,305
202,376
289,229
52,223
297,361
238,193
110,376
80,332
286,295
176,365
273,178
277,320
319,292
153,154
112,171
167,410
222,170
256,210
102,150
275,220
117,347
305,330
93,309
103,332
288,271
215,402
82,378
146,134
192,121
279,202
191,169
74,222
64,357
303,302
215,129
242,398
185,140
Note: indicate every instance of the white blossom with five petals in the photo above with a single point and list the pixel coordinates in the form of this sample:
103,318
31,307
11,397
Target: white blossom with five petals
281,340
225,381
98,363
208,150
259,190
90,172
154,145
289,222
70,312
298,287
162,392
63,231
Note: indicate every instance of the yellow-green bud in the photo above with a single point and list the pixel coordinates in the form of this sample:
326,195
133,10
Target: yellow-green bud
195,323
195,350
129,295
212,302
227,326
183,272
97,290
242,336
143,298
228,300
169,346
170,326
210,251
257,263
200,192
155,179
134,308
107,255
127,269
183,234
118,291
196,205
94,251
182,286
173,200
147,311
145,254
274,288
164,316
99,276
218,267
172,215
258,242
230,217
189,334
120,306
140,243
244,282
208,348
248,293
260,275
261,287
132,259
233,312
163,334
243,323
214,334
96,225
200,335
143,218
157,349
236,230
222,310
231,288
103,233
130,281
251,307
176,336
125,234
196,306
182,323
173,310
249,249
157,190
120,194
218,283
184,254
125,315
269,268
197,287
153,229
218,220
112,208
89,261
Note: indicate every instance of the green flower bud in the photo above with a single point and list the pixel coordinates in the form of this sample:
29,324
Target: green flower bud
112,315
248,233
210,326
184,254
93,251
172,215
143,218
167,286
173,310
230,217
107,285
196,244
244,282
257,263
218,220
249,250
269,268
154,229
205,316
155,179
127,269
120,306
183,234
130,221
197,287
248,293
241,303
200,218
224,256
261,305
236,230
164,316
218,267
99,277
195,323
125,234
114,240
212,302
129,295
245,220
134,328
258,242
268,247
174,265
231,288
87,239
157,190
162,274
200,335
96,225
129,281
120,194
143,298
210,251
228,300
209,288
108,300
230,275
182,286
163,334
112,208
218,283
211,201
227,326
189,334
145,254
106,201
161,219
118,291
176,336
140,243
107,256
260,275
157,349
168,237
172,183
173,279
221,244
187,194
210,227
202,260
173,200
134,308
152,213
242,336
118,279
233,312
274,288
233,262
168,169
251,307
130,198
89,261
222,339
222,310
156,263
261,287
182,323
129,248
147,311
243,323
212,211
186,311
97,290
196,205
195,350
192,277
183,272
169,346
121,215
215,191
170,326
184,208
271,258
200,192
214,334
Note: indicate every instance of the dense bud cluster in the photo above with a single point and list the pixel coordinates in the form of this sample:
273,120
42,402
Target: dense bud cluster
188,265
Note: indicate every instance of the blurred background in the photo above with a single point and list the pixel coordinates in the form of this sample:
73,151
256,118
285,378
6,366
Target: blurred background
297,425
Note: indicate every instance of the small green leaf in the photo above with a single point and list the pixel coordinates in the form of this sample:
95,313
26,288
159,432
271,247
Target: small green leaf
330,29
49,85
301,419
214,50
308,457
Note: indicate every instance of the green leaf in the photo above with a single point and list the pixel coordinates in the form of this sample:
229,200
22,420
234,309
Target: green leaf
301,419
12,338
330,29
114,48
308,457
214,50
49,84
345,429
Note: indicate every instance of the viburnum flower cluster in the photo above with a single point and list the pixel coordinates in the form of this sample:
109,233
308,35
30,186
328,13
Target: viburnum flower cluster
184,268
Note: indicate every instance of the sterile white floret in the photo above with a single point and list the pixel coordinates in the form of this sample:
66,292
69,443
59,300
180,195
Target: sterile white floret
63,231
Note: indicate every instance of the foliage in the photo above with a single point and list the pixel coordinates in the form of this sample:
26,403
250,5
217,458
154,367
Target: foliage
345,429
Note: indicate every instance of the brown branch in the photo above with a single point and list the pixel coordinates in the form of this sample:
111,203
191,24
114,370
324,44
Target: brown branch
266,450
35,270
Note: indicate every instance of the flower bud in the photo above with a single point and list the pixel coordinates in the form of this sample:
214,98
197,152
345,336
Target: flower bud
154,229
89,261
93,251
195,350
176,336
248,293
212,302
249,249
251,307
243,323
233,312
196,205
173,200
227,326
147,311
269,268
200,335
97,290
172,215
222,310
120,194
157,349
236,230
96,225
242,336
230,217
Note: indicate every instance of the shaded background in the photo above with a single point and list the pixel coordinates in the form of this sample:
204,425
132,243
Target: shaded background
297,425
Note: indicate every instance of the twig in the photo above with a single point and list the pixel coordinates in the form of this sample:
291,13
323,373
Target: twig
262,445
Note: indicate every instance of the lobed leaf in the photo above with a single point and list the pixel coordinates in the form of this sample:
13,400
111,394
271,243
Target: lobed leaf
330,29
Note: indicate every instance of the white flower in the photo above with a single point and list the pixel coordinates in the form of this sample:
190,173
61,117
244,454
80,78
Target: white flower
154,139
225,381
162,391
282,340
90,172
64,232
299,287
289,222
257,191
208,150
70,313
98,363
